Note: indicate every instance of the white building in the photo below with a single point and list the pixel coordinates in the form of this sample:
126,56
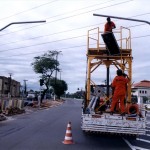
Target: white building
141,89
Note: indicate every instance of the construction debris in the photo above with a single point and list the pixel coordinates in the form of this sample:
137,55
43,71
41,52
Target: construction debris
2,117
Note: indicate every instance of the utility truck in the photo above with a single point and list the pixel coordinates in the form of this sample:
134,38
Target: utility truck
106,52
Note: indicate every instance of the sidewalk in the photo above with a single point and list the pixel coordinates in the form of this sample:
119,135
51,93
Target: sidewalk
29,109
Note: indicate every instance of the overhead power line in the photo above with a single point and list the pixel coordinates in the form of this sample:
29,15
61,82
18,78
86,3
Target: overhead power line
80,9
63,32
41,43
67,38
28,10
72,30
46,51
70,16
66,48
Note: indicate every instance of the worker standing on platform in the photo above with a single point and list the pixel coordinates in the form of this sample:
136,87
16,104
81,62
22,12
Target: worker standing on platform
119,86
109,25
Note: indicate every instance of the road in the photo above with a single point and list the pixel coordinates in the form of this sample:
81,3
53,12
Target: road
45,130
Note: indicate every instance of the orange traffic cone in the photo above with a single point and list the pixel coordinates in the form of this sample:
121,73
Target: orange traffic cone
68,137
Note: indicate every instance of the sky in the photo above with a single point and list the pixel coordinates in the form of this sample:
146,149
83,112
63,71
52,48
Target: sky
65,30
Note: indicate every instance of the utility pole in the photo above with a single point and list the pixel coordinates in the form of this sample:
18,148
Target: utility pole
57,52
9,88
21,91
25,88
60,74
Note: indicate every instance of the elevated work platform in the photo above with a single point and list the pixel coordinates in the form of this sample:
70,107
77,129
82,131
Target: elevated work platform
110,49
103,53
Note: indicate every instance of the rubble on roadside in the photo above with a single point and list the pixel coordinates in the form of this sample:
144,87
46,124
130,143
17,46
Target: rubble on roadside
14,110
2,117
48,103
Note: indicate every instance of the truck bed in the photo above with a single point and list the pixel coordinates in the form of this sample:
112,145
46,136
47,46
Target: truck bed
115,123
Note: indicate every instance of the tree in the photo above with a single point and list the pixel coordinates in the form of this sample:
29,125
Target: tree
59,86
46,65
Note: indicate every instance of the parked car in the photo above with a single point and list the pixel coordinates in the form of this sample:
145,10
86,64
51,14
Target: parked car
28,101
31,95
147,106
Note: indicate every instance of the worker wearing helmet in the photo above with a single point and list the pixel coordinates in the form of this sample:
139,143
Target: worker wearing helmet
109,25
119,85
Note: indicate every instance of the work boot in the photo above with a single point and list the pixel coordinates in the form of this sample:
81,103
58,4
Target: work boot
111,113
122,114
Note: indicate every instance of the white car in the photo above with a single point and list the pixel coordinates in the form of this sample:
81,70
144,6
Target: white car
31,95
147,106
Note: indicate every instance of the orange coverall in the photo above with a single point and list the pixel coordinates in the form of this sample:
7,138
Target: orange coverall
119,83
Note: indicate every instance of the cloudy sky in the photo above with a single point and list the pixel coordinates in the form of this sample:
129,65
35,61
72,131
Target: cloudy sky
67,23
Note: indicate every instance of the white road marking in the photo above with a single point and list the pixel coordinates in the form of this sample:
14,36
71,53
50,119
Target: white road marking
136,147
140,148
147,141
147,134
129,144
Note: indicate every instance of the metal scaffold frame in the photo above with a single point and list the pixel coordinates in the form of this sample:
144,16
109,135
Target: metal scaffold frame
97,56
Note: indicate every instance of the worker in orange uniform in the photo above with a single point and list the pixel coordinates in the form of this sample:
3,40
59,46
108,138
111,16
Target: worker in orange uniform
109,25
119,85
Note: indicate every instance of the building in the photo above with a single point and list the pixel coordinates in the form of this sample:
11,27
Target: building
8,85
141,89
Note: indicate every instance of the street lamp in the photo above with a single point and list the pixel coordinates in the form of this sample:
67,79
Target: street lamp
24,22
137,20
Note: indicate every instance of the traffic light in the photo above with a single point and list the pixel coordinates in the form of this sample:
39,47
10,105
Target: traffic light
41,82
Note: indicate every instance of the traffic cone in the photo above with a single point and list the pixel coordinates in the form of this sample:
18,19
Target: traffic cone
68,137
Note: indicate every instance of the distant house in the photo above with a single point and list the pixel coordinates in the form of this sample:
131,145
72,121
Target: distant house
8,85
141,89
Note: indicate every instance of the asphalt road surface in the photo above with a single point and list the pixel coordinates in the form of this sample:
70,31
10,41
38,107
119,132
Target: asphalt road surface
46,129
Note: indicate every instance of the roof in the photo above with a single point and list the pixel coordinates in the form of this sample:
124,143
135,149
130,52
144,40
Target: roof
144,83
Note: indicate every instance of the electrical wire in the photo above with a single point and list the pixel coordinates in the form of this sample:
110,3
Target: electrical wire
79,46
41,43
27,10
68,17
70,38
58,41
73,30
62,32
64,48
